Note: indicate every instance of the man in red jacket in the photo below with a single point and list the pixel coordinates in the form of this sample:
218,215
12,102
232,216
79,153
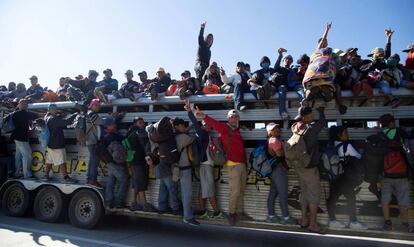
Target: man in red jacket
235,160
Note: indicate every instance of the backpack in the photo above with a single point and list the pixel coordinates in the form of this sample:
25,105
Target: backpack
262,162
373,157
216,151
81,132
8,124
395,164
296,153
168,151
75,94
130,151
193,153
118,152
161,131
332,165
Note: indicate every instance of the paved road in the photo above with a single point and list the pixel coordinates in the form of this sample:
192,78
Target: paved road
121,231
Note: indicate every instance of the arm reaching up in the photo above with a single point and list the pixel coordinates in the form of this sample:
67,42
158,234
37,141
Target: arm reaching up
323,42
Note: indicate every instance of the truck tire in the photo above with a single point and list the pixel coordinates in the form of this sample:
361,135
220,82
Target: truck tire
16,200
85,209
49,205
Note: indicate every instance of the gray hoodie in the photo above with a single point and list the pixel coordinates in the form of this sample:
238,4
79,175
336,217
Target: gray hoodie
183,140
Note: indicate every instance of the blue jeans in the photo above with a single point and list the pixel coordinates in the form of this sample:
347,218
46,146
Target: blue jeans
118,173
186,192
93,163
23,153
384,86
282,98
298,88
8,161
279,187
239,95
167,191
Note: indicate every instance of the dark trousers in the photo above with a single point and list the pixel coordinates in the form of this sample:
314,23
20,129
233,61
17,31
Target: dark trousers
342,186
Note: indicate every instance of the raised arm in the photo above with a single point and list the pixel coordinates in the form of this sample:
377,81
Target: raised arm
219,127
192,118
387,50
325,34
279,58
201,34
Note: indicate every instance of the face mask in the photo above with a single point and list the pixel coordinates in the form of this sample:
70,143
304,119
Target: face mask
265,65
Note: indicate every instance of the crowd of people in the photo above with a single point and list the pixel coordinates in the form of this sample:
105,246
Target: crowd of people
325,71
322,75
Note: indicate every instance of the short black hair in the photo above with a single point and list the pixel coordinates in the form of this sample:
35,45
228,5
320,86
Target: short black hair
178,121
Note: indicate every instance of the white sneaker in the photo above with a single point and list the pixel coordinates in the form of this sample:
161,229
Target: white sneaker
336,224
356,225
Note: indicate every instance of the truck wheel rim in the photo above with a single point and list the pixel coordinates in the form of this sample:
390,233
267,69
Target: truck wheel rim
48,205
15,201
85,210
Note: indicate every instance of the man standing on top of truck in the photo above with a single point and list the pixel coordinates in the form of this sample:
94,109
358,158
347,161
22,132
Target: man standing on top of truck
235,160
56,152
203,53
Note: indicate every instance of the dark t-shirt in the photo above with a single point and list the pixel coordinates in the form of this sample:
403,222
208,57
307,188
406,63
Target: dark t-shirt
21,121
56,124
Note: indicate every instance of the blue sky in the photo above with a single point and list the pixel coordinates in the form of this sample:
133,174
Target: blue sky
54,38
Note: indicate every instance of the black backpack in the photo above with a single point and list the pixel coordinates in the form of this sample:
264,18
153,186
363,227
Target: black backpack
161,131
168,151
375,147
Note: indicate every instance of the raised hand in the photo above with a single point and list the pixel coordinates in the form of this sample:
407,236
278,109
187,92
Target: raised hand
203,24
328,25
389,33
187,106
281,50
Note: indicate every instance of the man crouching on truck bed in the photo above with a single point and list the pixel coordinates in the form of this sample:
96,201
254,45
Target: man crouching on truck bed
235,160
56,152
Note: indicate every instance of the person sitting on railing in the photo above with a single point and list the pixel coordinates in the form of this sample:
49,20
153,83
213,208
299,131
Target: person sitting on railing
239,81
373,71
18,93
62,90
107,86
248,70
35,91
86,85
159,84
203,52
183,88
128,89
213,74
56,151
191,82
211,88
408,68
295,77
143,85
260,83
283,73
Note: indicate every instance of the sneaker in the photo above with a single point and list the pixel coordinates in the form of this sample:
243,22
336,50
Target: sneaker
288,221
406,227
356,225
149,208
219,215
70,180
273,219
245,217
109,205
243,107
395,103
342,109
336,224
387,225
178,212
232,219
45,178
284,115
206,215
192,222
165,211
